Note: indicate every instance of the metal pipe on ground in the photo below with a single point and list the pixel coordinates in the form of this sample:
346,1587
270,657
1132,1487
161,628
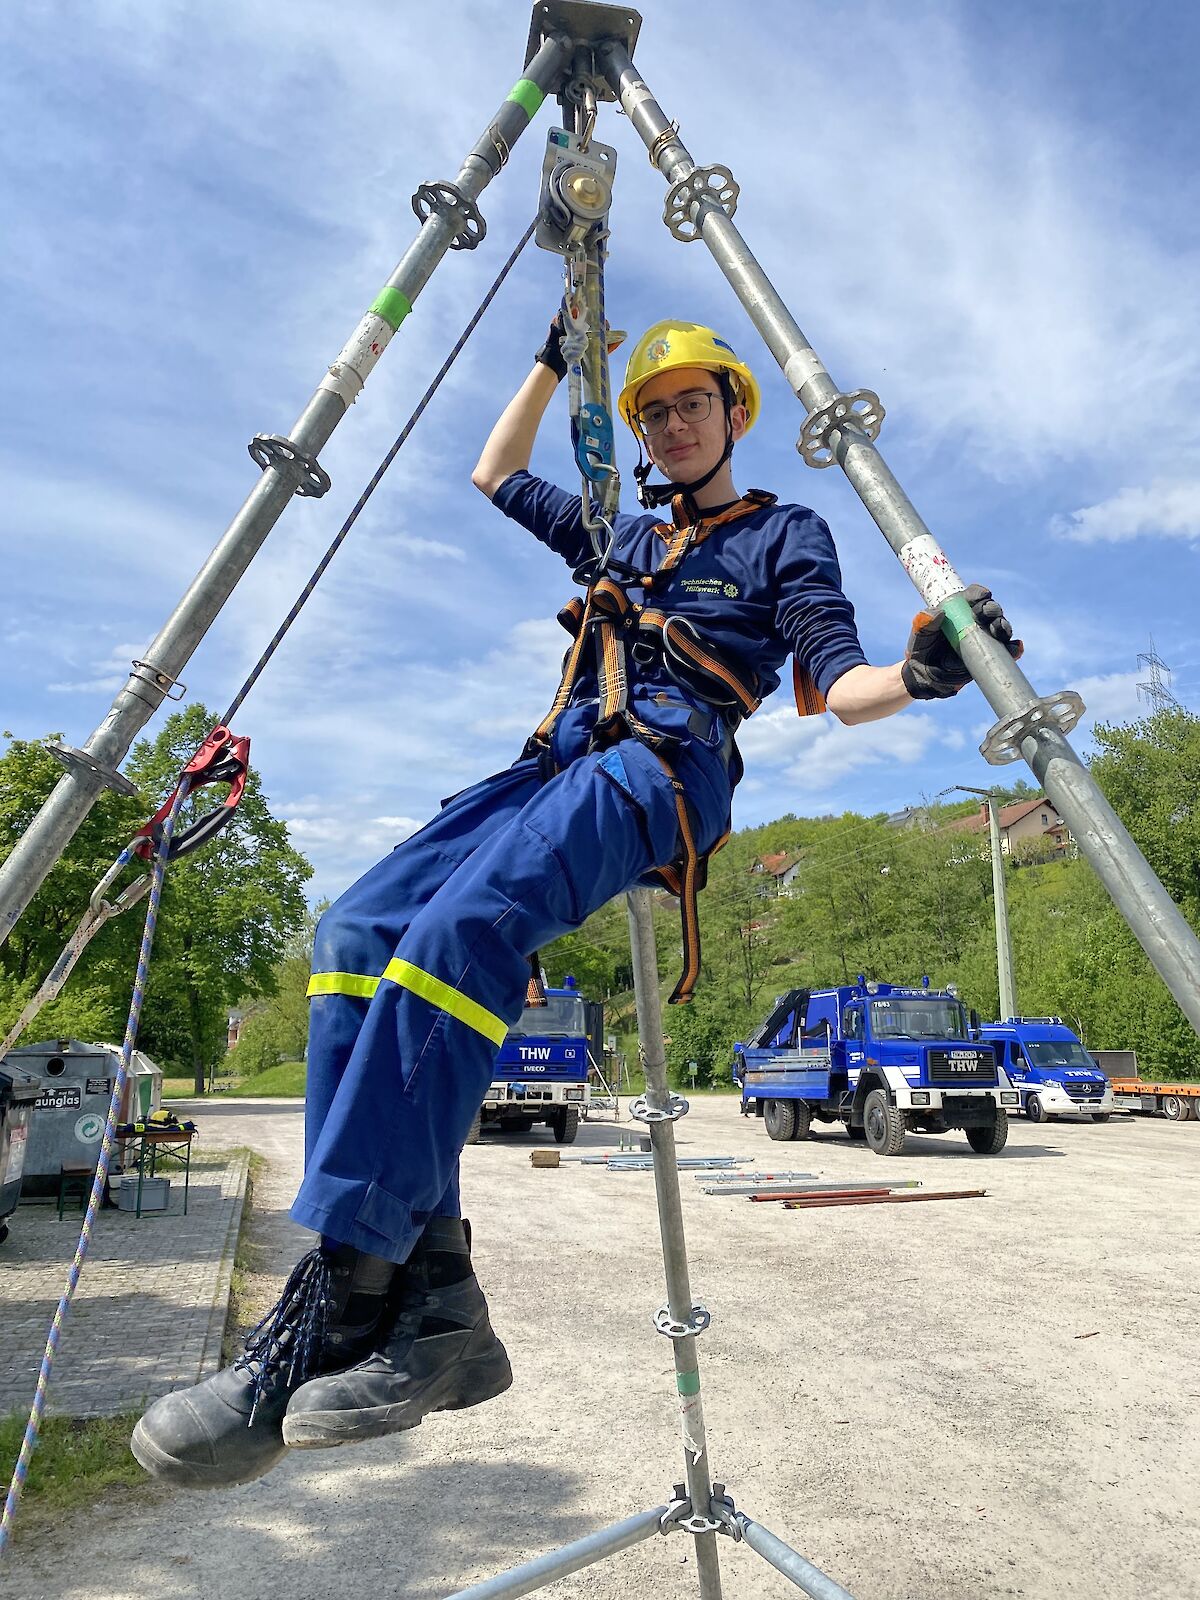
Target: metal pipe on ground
815,1583
761,1177
880,1199
787,1191
574,1557
834,1192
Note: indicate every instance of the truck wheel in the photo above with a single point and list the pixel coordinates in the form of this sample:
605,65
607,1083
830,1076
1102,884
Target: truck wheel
1101,1116
1034,1109
564,1124
803,1119
855,1133
780,1118
883,1125
991,1139
474,1130
1172,1108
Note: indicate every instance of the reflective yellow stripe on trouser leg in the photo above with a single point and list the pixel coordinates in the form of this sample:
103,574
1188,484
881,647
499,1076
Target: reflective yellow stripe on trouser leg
452,1001
352,983
425,985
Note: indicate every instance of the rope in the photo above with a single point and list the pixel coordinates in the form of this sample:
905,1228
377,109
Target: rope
99,912
33,1428
382,468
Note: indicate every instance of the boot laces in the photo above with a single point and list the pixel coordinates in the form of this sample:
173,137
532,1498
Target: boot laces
289,1338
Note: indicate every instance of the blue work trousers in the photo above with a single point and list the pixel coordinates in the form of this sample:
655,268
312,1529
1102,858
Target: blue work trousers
422,966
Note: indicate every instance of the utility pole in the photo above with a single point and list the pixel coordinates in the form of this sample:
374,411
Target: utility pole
1004,960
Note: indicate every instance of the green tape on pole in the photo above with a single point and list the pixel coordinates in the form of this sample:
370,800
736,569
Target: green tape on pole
392,306
528,96
688,1383
957,618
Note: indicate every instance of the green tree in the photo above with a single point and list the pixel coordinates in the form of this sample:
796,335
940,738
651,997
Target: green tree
1150,774
95,1002
226,911
275,1027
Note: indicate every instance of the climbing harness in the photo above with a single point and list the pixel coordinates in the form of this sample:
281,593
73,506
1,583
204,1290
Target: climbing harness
617,628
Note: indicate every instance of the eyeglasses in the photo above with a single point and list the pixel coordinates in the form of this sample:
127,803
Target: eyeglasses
696,407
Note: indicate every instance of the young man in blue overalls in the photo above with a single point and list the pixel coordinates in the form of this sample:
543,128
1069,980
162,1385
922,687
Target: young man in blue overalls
420,969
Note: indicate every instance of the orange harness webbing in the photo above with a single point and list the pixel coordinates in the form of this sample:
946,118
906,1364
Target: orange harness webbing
607,614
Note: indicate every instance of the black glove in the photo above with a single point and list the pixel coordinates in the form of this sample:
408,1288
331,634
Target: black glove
933,669
551,353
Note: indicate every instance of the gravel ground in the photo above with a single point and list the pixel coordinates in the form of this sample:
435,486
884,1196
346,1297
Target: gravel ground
979,1398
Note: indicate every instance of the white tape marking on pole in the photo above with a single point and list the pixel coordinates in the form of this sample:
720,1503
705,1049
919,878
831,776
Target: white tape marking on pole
928,565
692,1417
358,357
805,364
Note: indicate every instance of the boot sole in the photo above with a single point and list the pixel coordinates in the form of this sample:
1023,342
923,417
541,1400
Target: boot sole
191,1474
468,1383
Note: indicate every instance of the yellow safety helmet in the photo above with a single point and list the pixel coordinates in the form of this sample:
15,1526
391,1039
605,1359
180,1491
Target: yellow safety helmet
669,346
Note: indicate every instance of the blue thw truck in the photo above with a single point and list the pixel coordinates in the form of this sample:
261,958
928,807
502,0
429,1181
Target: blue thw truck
1050,1070
881,1060
541,1073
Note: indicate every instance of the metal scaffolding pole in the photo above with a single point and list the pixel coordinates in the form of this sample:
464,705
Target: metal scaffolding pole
680,1318
842,427
1004,956
450,220
536,1574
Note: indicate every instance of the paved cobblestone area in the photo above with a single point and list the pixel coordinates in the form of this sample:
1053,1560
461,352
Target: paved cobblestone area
150,1307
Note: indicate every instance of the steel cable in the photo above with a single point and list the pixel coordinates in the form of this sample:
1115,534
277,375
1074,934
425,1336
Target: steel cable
401,439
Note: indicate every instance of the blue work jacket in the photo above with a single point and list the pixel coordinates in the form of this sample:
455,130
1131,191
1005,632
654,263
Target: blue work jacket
759,589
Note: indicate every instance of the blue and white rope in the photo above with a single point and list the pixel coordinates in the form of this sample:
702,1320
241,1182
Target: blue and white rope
33,1428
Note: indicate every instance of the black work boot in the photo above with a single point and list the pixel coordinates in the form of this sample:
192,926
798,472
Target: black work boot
228,1429
441,1355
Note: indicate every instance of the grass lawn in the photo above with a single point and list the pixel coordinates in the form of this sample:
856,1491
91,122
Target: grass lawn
285,1080
78,1461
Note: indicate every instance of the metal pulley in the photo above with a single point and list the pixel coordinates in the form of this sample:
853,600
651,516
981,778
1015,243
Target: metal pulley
577,182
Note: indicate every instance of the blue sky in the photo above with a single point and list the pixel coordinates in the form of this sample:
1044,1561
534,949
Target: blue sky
988,214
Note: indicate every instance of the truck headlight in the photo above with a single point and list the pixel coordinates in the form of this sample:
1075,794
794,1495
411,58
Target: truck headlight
920,1097
1008,1098
574,1094
493,1094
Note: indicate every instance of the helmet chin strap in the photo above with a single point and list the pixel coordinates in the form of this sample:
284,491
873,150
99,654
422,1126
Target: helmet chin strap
652,495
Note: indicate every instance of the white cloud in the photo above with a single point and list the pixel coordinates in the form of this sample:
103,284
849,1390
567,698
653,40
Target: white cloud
1159,510
801,748
1111,697
989,269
